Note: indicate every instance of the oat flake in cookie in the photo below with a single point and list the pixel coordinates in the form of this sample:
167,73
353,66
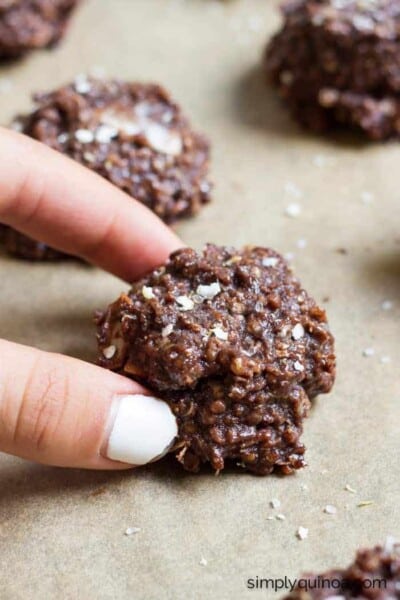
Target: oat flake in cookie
374,575
29,24
132,134
236,347
337,64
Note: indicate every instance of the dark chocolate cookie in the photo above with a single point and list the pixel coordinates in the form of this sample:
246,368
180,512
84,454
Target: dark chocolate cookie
21,246
374,575
337,64
132,134
29,24
236,347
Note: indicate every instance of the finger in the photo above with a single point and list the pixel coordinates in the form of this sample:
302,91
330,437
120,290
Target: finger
60,411
57,201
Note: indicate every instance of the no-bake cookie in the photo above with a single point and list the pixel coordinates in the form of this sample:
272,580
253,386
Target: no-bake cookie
234,344
374,575
29,24
337,64
132,134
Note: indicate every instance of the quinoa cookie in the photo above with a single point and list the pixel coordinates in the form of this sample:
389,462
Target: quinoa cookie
235,346
374,575
29,24
132,134
336,63
19,245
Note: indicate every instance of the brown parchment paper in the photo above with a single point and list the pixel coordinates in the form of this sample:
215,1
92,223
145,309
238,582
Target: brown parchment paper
62,532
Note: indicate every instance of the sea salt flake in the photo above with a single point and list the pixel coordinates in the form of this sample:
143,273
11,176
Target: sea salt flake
105,134
132,531
147,292
82,84
293,210
385,360
185,302
390,543
84,136
363,23
203,561
280,517
298,366
121,122
275,503
220,333
167,330
163,140
330,509
62,138
109,352
302,533
298,331
271,261
209,291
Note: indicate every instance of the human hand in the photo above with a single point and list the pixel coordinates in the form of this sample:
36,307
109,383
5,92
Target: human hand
55,409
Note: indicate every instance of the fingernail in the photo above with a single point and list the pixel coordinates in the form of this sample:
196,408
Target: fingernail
143,430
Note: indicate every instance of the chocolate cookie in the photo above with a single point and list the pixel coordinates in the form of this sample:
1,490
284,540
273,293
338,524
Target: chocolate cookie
236,347
21,246
29,24
132,134
374,575
337,64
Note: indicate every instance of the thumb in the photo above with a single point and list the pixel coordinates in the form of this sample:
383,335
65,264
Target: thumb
61,411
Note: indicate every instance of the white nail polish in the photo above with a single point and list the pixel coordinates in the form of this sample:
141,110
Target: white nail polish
143,430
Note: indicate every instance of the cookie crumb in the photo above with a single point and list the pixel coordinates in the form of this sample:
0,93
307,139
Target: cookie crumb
293,210
302,533
365,503
132,531
350,489
368,352
330,509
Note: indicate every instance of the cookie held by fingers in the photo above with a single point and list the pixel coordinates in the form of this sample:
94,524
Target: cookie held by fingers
236,347
132,134
336,64
30,24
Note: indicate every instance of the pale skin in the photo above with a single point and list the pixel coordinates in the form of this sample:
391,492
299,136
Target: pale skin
55,409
